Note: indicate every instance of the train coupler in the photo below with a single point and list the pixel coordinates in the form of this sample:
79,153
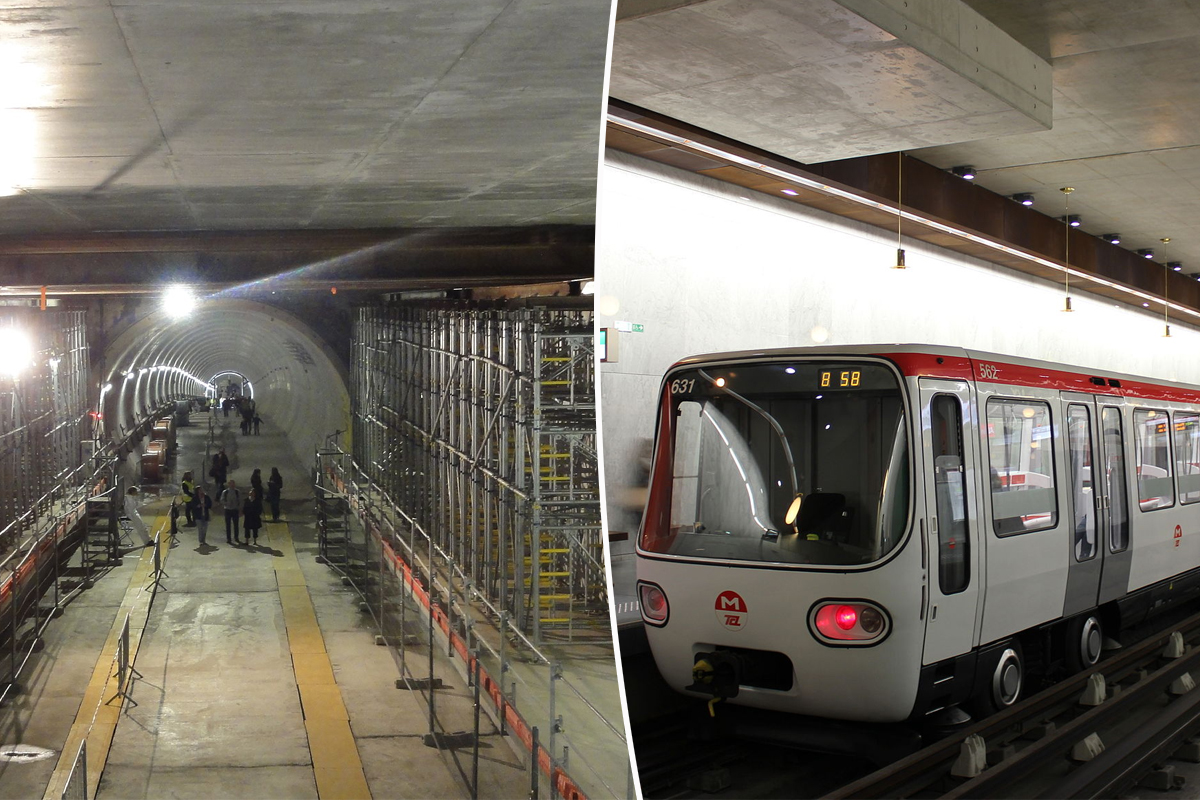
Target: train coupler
718,674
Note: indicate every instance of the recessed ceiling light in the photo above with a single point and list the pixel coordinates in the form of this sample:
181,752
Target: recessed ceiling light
1145,252
1111,238
1074,220
1024,198
1176,265
966,172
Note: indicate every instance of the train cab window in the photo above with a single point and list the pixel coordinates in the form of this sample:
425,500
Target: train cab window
950,488
1114,479
795,462
1021,464
1152,457
1079,450
1187,455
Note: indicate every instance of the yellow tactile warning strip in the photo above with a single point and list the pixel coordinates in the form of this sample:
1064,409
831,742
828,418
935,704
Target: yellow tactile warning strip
97,718
336,763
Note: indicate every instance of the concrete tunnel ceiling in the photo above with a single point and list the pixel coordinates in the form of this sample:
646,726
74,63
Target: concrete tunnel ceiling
299,385
143,115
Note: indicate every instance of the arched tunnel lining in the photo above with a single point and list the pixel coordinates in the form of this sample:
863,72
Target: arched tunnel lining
299,386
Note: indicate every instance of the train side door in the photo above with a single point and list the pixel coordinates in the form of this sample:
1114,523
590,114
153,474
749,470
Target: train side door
951,518
1114,490
1086,492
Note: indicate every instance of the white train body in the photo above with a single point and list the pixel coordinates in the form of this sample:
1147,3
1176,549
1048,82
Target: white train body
875,533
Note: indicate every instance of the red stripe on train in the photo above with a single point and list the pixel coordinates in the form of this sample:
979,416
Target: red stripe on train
927,365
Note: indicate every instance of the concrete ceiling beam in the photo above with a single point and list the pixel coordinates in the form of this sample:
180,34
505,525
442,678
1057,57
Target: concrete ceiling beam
830,79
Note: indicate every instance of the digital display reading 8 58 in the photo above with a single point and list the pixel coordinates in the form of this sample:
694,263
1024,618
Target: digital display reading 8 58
793,377
840,379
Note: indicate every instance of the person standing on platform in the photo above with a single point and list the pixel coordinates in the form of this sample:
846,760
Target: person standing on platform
202,512
220,468
253,515
274,491
231,502
257,421
188,487
256,482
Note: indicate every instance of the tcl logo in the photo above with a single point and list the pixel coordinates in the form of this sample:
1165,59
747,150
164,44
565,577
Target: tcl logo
731,610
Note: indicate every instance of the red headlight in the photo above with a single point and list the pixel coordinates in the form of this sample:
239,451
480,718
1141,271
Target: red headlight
848,622
655,608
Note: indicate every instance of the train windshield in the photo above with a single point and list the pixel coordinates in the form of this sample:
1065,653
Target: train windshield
787,462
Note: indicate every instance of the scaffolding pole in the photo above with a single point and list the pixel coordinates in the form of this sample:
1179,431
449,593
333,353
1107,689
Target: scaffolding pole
479,422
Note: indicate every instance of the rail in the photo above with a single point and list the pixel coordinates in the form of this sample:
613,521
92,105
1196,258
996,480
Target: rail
1128,669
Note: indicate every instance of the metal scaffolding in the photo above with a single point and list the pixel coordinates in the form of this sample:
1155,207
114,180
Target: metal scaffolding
43,417
480,424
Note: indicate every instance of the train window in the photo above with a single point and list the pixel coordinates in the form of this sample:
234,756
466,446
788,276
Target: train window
950,488
789,462
1021,462
1187,455
1152,452
1114,476
1079,449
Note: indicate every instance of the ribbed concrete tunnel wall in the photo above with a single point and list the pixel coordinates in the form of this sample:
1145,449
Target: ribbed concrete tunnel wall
298,384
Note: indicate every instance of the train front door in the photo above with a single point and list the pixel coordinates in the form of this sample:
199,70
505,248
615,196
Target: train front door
951,518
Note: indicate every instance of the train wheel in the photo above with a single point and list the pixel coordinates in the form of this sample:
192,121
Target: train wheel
1008,677
1085,640
1003,686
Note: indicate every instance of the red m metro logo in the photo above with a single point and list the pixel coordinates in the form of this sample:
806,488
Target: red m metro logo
731,610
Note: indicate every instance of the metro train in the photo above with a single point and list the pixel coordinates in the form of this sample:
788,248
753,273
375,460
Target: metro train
881,533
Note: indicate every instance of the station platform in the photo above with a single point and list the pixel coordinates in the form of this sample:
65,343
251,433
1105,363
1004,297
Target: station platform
257,673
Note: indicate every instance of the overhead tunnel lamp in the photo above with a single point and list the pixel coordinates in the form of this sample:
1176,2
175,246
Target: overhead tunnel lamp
1176,266
179,301
1024,198
1111,238
966,172
1145,252
1074,220
16,352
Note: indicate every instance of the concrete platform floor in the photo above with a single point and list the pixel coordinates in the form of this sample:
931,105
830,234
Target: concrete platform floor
223,706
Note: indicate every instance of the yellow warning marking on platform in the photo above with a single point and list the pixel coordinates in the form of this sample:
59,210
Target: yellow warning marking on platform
98,715
308,643
294,597
322,701
290,577
332,743
337,766
312,668
340,784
